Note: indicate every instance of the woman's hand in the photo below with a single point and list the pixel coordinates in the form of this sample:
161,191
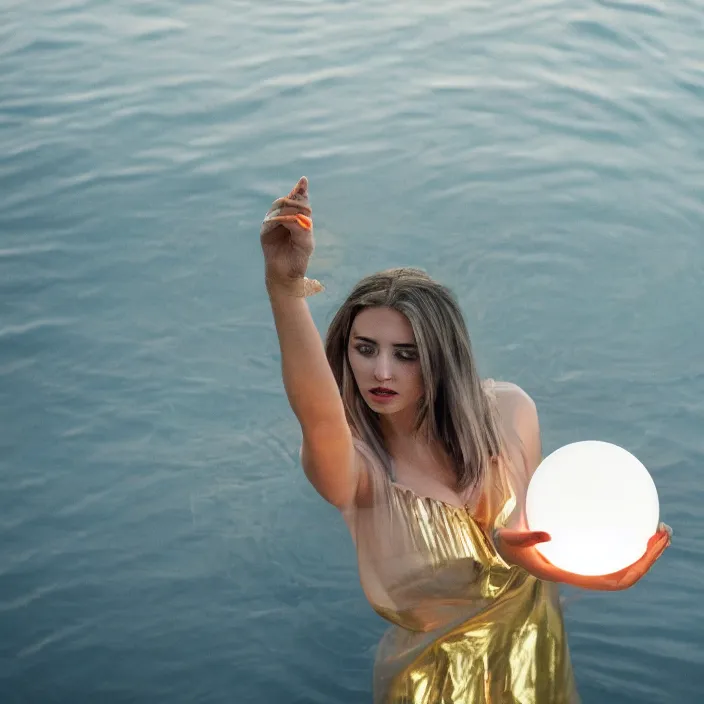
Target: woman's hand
627,577
287,237
518,547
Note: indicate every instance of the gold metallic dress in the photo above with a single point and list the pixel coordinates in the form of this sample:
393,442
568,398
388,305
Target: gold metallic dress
466,627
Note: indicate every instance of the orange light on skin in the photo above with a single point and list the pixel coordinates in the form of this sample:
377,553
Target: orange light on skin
304,221
599,505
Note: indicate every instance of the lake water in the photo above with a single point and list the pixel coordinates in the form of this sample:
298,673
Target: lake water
544,159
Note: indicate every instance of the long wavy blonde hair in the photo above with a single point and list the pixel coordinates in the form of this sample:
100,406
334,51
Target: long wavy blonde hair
455,409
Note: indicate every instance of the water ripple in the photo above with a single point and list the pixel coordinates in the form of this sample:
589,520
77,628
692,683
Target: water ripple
544,160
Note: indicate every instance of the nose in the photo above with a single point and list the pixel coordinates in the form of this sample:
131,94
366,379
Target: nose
382,369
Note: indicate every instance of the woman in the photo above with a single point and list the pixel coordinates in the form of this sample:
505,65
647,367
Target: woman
429,467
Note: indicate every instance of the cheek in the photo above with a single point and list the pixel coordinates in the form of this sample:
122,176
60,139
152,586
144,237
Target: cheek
356,363
414,378
419,382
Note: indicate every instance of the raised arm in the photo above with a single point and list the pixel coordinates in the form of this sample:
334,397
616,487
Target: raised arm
328,456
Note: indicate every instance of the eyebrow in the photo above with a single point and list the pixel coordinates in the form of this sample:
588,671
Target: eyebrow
404,345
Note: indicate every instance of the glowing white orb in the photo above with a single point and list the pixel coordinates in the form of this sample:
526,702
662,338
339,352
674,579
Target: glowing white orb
598,503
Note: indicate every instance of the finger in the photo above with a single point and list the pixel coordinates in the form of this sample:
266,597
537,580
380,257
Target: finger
654,551
658,540
300,190
305,222
288,205
523,539
276,212
665,527
661,546
660,536
294,223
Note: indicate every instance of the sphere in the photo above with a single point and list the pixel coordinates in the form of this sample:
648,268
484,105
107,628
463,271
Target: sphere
598,503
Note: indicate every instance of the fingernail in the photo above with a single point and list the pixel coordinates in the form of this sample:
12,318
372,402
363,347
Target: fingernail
304,221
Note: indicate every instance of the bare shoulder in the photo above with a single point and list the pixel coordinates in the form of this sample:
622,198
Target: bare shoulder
519,415
513,401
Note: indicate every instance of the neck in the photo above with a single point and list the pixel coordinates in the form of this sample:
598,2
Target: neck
402,439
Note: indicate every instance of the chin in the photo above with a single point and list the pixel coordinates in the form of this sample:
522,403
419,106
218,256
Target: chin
386,408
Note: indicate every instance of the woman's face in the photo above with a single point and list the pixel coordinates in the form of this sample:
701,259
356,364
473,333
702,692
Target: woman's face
383,355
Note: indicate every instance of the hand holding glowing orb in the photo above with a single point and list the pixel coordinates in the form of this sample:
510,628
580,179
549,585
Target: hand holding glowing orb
598,503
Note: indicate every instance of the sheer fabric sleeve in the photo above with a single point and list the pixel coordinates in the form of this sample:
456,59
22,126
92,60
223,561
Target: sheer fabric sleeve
521,430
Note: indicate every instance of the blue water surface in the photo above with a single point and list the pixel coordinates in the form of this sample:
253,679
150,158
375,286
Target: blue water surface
544,159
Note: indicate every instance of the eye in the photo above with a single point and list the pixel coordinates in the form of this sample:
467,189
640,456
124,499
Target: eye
403,355
408,356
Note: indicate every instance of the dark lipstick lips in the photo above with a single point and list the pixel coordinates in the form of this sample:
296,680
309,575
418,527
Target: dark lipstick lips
381,388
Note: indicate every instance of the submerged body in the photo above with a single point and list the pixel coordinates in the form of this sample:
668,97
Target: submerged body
467,627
